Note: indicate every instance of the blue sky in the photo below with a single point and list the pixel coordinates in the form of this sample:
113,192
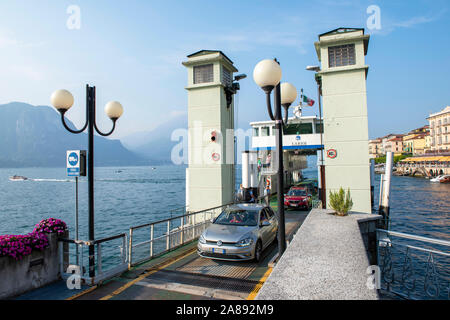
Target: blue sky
132,51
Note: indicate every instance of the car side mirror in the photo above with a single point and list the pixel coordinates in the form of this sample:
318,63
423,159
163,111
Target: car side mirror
265,223
212,220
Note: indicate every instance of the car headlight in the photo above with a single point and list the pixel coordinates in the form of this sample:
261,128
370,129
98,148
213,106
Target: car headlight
244,242
202,239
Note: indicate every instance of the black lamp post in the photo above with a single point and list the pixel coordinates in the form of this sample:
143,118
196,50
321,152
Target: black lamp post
322,193
267,74
63,100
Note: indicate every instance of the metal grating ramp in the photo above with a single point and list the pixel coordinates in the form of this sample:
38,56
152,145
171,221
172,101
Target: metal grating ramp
239,269
205,281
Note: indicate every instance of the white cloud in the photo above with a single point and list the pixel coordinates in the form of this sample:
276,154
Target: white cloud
415,21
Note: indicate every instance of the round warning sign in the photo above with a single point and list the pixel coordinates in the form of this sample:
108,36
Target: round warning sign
215,156
332,153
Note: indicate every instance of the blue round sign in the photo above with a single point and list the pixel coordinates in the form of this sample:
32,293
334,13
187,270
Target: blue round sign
298,138
73,159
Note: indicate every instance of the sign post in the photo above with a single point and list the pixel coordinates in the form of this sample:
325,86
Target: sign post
76,166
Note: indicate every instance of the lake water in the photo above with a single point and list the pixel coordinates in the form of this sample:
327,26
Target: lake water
134,196
138,195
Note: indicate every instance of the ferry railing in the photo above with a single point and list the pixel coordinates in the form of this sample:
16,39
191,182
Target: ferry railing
154,239
111,258
413,267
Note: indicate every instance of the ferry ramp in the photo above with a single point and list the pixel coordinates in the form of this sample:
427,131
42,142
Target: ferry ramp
182,274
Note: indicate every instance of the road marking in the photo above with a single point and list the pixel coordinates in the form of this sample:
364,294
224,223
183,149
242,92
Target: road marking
146,274
82,293
261,281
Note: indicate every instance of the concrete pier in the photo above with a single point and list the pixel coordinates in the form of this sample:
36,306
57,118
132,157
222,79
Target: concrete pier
327,259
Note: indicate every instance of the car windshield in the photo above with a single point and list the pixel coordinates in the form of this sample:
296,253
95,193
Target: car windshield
237,217
297,192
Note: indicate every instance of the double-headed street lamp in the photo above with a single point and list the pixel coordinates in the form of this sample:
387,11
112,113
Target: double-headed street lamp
63,100
267,74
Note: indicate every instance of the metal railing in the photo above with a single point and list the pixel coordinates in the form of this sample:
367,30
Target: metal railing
316,204
413,267
153,239
111,258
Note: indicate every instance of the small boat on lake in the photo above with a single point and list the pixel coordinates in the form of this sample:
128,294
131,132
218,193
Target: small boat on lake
17,178
441,178
445,179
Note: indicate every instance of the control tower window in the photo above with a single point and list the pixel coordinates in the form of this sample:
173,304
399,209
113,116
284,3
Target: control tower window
301,128
339,56
203,74
255,132
265,131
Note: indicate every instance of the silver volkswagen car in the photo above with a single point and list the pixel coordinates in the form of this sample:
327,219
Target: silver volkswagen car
240,232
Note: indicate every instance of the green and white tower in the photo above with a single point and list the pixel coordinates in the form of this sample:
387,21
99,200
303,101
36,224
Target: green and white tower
210,175
343,77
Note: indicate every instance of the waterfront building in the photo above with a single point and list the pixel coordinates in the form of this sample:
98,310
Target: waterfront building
415,141
385,144
343,74
440,130
374,148
428,143
426,166
395,145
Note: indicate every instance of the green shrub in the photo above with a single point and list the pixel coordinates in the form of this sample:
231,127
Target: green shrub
341,202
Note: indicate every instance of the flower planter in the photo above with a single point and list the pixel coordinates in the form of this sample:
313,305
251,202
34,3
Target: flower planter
32,271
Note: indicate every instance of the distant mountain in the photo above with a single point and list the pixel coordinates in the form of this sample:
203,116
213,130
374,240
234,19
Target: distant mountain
33,136
156,144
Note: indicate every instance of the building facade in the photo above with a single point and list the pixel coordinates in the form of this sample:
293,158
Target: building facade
415,141
375,148
395,145
385,144
440,130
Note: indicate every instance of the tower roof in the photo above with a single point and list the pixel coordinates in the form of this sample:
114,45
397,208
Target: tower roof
341,30
204,52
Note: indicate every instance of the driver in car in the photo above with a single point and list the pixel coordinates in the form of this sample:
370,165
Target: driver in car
236,219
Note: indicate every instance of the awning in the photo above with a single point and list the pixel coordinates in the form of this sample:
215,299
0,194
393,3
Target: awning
427,159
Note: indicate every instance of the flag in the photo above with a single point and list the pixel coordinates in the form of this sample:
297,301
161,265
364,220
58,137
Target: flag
308,101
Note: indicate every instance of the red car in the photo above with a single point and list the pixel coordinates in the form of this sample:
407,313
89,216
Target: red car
297,197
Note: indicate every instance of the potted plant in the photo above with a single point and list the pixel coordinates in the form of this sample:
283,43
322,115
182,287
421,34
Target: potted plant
341,202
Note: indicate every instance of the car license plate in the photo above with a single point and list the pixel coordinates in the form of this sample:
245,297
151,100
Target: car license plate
223,251
294,204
